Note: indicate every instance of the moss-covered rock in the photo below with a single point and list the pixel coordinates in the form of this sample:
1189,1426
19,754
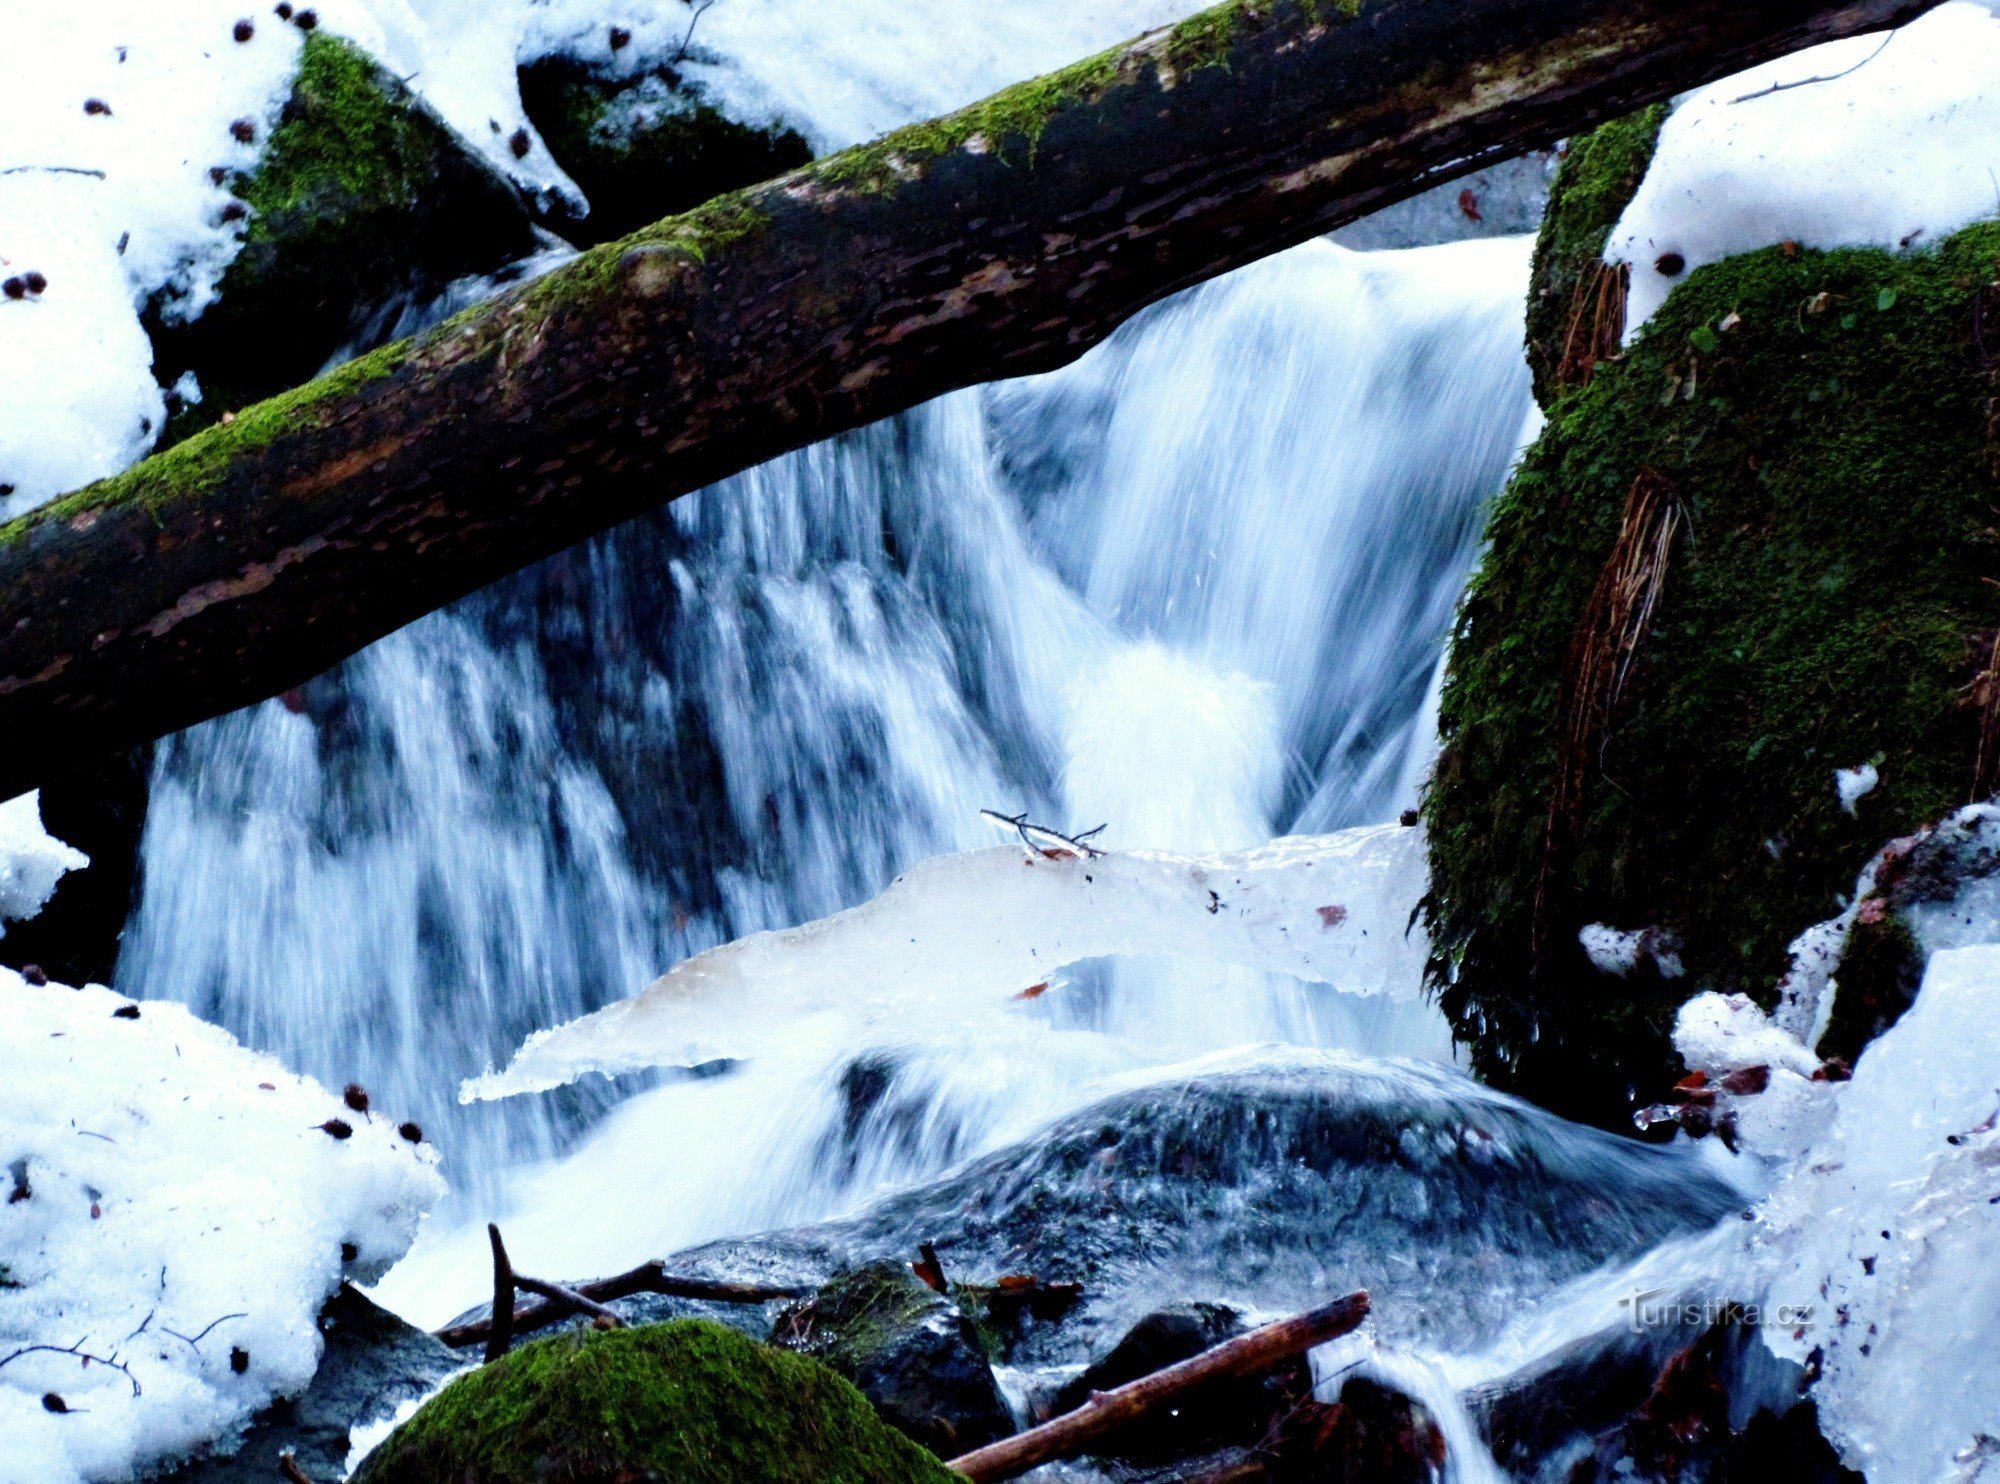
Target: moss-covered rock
687,1402
646,147
1811,437
1574,302
363,199
913,1353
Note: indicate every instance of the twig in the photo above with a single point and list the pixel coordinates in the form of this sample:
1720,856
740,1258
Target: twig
288,1468
53,170
77,1350
1779,87
501,1335
649,1277
700,9
568,1296
1032,835
1109,1411
195,1340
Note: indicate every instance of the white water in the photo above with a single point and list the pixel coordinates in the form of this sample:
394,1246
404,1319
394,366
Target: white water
1194,586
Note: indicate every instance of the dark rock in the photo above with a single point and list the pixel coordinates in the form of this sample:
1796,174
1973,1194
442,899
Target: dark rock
373,1363
645,147
364,199
910,1350
100,808
686,1402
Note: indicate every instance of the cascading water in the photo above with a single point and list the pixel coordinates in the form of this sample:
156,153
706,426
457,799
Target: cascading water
1193,586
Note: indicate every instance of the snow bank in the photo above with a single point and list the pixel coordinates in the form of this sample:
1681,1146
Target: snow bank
31,861
976,927
1899,152
175,1209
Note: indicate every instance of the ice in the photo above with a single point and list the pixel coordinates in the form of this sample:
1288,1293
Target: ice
173,1200
1898,153
31,862
963,931
1888,1226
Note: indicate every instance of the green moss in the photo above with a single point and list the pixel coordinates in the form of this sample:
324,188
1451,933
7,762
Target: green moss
196,465
683,1403
857,1314
1822,421
1880,970
1011,122
1596,182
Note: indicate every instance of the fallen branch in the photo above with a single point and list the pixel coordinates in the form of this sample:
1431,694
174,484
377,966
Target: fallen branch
1108,1411
649,1277
500,1330
1005,239
571,1297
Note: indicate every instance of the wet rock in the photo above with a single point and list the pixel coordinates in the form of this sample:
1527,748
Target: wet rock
690,1402
373,1363
911,1351
647,146
363,200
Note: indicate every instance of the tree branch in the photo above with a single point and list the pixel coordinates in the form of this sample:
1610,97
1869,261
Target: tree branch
651,1277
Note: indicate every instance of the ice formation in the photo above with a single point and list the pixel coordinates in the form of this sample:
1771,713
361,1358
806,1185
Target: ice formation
985,924
1897,147
177,1209
31,862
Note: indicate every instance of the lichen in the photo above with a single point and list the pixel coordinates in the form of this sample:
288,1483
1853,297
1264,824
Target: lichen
689,1402
1822,419
1599,175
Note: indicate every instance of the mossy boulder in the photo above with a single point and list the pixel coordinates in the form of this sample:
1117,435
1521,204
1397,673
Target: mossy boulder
1599,174
364,200
688,1402
912,1352
647,146
1811,437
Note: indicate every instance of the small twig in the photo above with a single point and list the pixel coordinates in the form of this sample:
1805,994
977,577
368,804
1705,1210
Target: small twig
289,1470
53,170
651,1277
501,1334
568,1296
700,9
195,1340
77,1350
1779,87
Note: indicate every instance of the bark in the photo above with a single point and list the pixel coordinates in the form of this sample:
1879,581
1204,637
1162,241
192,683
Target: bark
1109,1411
1002,240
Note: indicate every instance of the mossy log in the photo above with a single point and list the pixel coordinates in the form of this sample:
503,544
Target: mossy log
1001,240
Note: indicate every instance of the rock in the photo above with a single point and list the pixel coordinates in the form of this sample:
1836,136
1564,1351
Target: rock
645,147
1799,449
365,200
373,1363
909,1350
687,1401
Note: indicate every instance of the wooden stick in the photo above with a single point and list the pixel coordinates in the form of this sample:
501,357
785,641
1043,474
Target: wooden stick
568,1296
289,1470
500,1334
651,1277
1108,1411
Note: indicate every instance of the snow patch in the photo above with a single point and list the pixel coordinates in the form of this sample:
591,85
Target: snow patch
1854,784
984,925
1619,950
1897,148
31,860
175,1208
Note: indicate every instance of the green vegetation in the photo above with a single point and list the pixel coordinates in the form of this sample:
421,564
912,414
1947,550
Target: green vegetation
1596,182
688,1402
1823,425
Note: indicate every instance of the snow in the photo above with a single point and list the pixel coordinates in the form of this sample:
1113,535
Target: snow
1619,950
1899,153
1854,784
31,862
176,1201
979,926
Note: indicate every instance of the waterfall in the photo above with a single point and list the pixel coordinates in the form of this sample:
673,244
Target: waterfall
1193,586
